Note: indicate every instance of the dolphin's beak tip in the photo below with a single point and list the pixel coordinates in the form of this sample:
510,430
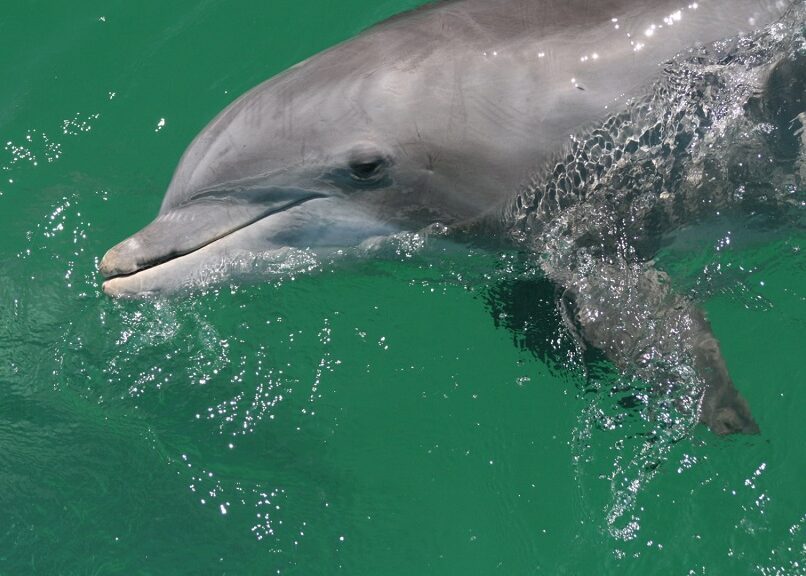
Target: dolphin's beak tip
105,267
109,267
117,261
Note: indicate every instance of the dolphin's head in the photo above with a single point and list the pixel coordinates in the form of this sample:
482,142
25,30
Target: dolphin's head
339,149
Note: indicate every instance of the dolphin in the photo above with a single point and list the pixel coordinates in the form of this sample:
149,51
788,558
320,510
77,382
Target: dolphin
437,115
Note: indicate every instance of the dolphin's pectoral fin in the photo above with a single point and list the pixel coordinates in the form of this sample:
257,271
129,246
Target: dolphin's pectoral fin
628,310
723,409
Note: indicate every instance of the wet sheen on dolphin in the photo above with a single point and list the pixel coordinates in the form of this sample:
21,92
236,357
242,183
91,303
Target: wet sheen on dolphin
434,116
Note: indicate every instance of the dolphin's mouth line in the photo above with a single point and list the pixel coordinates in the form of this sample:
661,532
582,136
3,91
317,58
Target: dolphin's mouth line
179,254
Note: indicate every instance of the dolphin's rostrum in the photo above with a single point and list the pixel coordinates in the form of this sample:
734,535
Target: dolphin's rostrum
442,115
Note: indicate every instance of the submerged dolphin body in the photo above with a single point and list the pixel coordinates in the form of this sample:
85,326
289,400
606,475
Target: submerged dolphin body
438,116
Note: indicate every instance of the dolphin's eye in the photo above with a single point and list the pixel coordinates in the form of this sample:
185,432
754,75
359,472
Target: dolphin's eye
366,168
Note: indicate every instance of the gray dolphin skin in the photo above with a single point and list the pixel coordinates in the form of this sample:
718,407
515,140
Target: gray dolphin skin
441,115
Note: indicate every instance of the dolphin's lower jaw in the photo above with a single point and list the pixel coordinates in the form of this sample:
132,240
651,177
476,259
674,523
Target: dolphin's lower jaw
284,237
200,267
204,267
188,228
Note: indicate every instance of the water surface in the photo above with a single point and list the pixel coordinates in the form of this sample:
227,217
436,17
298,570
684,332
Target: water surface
373,418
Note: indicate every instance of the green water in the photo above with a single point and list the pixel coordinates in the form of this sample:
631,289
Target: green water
369,419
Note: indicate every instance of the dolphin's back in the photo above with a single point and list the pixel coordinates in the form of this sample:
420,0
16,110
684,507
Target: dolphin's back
543,69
